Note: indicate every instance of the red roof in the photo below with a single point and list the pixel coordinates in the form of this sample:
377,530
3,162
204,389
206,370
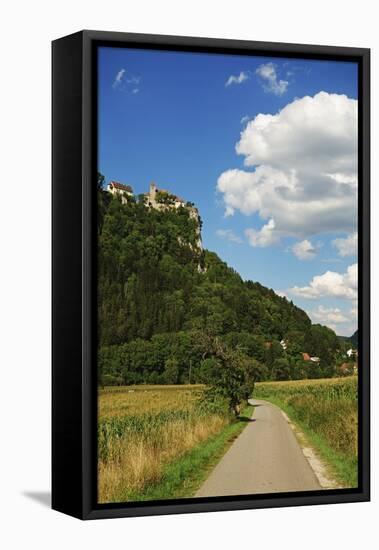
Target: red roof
121,186
306,356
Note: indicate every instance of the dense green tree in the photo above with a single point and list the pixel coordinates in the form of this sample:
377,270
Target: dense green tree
171,371
281,369
229,373
159,294
100,181
321,342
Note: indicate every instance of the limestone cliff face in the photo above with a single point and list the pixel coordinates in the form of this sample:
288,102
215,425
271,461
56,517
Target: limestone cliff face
163,200
194,214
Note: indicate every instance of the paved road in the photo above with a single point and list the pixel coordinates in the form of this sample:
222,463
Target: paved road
265,458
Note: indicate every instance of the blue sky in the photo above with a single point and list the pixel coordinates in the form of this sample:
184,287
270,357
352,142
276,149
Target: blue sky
277,194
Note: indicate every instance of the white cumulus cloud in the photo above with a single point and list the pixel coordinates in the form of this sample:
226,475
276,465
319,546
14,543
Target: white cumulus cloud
239,79
228,235
271,83
348,246
331,284
341,321
304,250
303,170
354,311
327,315
264,237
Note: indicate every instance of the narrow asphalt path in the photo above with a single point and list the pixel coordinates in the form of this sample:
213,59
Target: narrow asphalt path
265,458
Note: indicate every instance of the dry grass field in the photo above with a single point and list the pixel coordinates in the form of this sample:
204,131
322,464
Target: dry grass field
141,429
129,400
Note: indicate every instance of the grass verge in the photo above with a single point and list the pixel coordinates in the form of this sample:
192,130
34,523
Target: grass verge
183,477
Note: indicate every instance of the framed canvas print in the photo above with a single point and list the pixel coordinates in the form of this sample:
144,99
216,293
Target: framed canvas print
210,275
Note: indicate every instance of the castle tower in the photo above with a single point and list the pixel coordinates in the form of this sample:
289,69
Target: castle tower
153,190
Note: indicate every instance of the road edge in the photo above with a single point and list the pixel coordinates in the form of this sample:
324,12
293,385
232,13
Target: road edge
320,469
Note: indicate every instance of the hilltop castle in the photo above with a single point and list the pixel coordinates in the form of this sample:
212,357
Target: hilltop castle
159,199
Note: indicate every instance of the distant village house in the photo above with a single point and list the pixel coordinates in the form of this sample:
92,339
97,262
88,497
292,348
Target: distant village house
283,343
307,357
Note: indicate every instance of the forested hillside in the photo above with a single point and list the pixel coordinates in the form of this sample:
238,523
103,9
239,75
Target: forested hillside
159,295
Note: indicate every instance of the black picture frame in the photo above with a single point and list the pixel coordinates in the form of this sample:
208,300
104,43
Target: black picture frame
74,274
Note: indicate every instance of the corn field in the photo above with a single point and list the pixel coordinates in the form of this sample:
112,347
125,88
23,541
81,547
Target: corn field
134,448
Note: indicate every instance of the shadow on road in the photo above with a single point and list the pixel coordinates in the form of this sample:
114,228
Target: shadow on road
245,419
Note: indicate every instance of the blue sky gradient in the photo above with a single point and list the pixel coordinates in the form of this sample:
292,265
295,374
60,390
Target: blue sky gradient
171,118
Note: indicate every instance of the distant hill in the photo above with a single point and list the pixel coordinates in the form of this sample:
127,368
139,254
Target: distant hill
351,340
354,339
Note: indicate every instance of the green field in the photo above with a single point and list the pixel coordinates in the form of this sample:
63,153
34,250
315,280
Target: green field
158,442
327,412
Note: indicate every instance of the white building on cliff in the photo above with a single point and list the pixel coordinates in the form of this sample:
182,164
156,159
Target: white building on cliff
121,190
